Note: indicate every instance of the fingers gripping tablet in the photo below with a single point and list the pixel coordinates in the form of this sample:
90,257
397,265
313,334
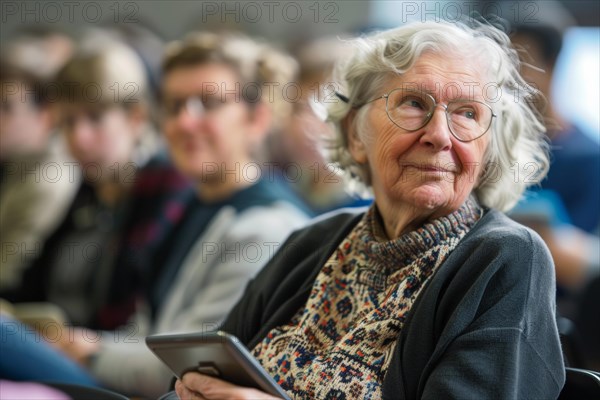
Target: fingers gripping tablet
217,354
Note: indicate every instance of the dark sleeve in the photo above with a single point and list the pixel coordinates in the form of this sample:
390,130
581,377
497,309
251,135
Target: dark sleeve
34,282
33,286
510,349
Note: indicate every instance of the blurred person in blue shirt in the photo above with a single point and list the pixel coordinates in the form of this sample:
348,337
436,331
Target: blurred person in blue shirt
565,210
571,192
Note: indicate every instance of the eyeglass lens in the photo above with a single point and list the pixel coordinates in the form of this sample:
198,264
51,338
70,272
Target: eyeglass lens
411,110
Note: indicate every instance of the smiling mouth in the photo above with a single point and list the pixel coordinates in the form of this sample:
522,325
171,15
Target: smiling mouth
430,168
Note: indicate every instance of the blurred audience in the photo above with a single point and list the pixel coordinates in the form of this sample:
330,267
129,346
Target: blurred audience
36,188
565,210
239,214
93,264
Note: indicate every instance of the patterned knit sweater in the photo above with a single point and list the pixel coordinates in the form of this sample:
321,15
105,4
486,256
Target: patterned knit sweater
340,344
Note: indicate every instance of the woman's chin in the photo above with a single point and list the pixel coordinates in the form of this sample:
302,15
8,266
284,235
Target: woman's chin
429,197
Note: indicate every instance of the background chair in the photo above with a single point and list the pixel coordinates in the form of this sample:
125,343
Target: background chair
580,384
572,344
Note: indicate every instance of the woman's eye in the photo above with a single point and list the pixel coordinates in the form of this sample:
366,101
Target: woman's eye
413,103
467,113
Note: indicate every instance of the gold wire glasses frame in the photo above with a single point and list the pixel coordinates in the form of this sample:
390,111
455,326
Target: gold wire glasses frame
411,110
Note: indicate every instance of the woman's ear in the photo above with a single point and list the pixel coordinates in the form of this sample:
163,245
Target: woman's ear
356,146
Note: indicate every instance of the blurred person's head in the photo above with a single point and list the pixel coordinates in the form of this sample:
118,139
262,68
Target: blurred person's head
317,58
143,38
25,118
308,130
539,44
40,50
30,61
217,111
103,107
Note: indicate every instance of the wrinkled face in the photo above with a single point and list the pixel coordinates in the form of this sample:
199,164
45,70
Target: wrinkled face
216,130
22,122
101,139
428,170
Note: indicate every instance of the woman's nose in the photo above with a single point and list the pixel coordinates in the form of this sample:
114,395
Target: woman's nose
437,133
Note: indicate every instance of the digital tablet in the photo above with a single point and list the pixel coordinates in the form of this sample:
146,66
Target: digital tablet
218,354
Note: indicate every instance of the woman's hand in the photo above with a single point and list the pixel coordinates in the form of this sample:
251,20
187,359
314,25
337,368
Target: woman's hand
195,386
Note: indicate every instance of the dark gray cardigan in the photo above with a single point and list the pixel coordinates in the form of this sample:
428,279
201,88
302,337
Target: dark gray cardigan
483,328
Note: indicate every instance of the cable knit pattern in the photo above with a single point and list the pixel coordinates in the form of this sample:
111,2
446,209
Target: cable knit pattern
339,345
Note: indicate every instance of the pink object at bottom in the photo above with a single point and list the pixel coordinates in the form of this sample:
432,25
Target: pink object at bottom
29,391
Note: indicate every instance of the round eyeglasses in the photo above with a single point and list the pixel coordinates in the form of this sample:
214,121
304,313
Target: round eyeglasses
411,110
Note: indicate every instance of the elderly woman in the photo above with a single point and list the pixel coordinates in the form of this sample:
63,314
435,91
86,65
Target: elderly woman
433,292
